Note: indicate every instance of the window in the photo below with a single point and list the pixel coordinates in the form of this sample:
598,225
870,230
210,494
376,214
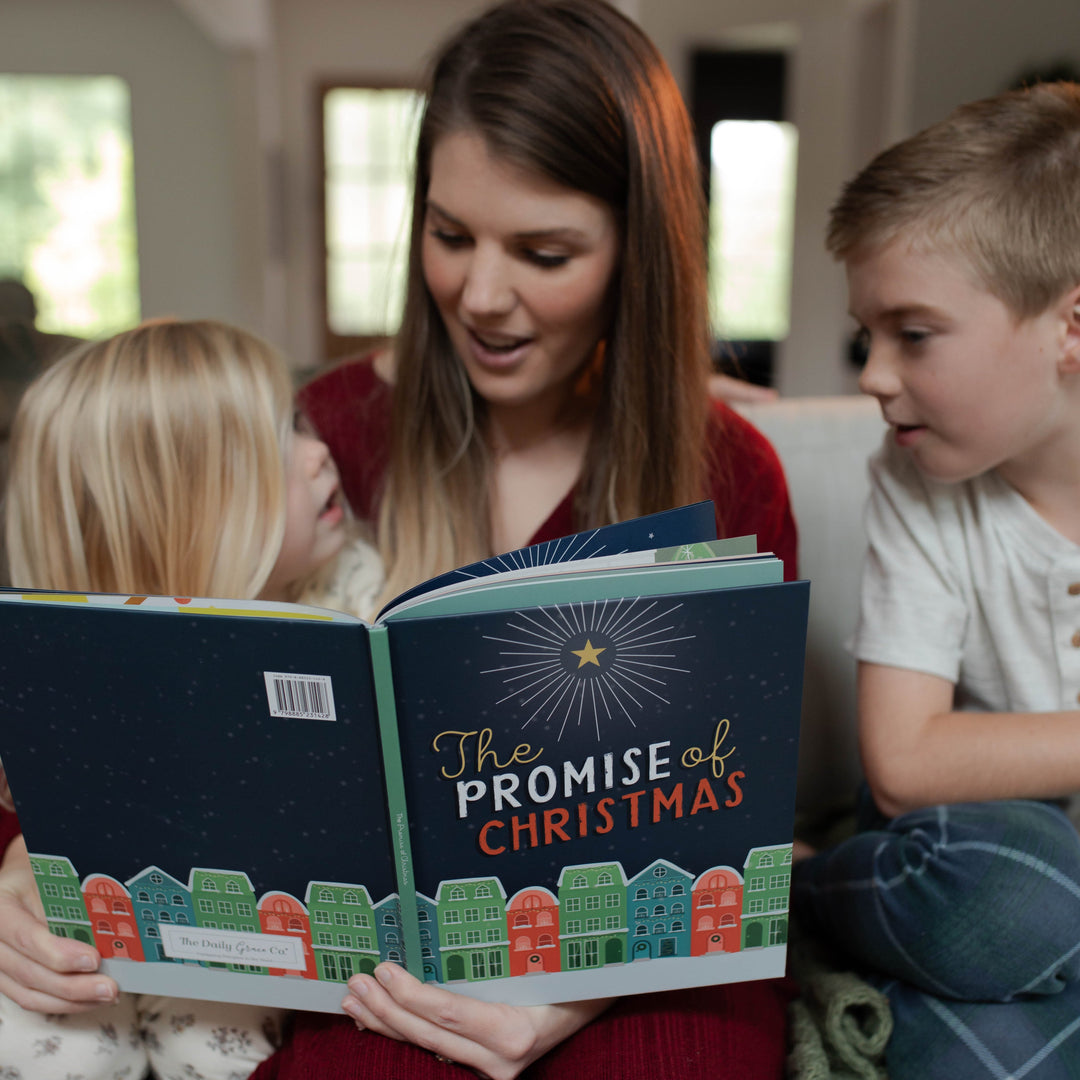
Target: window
178,899
592,925
49,889
360,919
224,907
764,860
350,897
472,914
209,885
454,937
69,892
592,953
491,935
579,882
757,884
479,967
322,916
659,871
573,926
56,911
779,881
659,891
641,913
56,870
369,136
483,892
233,887
244,909
755,907
452,917
472,937
611,922
495,965
777,903
777,931
491,912
592,902
341,918
573,903
330,967
326,938
344,941
604,879
326,896
611,900
677,890
206,906
456,893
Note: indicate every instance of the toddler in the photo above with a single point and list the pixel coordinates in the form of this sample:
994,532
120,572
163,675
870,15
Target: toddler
166,460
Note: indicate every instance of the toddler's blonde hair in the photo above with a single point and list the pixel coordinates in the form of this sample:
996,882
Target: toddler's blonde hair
152,462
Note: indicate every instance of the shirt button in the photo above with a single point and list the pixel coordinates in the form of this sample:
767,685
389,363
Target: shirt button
1074,589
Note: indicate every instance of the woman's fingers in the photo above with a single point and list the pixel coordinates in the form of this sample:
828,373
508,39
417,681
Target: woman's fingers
38,970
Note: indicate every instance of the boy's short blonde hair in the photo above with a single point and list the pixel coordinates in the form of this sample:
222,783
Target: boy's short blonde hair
152,462
997,182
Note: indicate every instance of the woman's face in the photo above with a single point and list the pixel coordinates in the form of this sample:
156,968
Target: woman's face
519,267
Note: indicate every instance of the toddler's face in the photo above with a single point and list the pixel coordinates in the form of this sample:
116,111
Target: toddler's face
964,385
314,512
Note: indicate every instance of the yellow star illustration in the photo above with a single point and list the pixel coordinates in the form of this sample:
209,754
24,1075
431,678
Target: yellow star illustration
588,654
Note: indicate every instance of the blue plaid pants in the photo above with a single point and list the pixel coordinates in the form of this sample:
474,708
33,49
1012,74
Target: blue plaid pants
968,917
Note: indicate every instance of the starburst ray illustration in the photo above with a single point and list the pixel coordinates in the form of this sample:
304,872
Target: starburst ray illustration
589,662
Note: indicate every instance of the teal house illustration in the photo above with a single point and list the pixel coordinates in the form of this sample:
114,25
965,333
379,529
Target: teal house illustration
767,883
658,903
388,929
157,898
427,912
225,900
592,899
343,933
58,886
472,929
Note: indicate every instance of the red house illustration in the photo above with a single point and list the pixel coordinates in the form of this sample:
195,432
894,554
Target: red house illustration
716,912
108,904
282,914
532,923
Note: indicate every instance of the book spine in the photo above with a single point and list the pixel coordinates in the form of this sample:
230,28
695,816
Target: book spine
379,644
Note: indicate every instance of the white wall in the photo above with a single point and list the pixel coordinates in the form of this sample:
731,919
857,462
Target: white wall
182,94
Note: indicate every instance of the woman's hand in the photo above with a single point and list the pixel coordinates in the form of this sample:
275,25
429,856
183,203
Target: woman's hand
498,1041
38,970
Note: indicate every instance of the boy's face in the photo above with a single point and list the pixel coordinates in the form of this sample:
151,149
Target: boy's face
964,385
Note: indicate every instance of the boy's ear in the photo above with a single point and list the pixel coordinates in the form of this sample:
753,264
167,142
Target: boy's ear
1070,312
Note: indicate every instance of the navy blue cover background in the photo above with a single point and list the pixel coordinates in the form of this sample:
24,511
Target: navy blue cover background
135,738
745,664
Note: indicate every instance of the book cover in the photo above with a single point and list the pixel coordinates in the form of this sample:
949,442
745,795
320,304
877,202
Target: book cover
571,783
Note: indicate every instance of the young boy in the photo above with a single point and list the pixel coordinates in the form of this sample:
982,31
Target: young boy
962,896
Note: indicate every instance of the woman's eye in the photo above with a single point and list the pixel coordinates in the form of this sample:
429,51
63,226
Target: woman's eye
451,240
545,259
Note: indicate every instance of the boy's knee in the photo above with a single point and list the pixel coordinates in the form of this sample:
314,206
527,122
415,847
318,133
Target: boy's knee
985,898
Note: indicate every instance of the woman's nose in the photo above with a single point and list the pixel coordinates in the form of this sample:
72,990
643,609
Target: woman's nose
488,288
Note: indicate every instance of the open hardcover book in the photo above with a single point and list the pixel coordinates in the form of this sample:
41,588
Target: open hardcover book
568,773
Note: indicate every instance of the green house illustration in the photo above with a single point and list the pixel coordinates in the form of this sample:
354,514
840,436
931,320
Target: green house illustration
473,938
225,900
58,886
343,934
767,883
592,899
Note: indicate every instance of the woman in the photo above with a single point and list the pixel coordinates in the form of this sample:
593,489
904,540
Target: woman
550,375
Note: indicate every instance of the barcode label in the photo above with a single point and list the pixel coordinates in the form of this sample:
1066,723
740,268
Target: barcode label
302,697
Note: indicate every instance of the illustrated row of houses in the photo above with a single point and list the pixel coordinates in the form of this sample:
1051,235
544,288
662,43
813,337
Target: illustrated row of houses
469,931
